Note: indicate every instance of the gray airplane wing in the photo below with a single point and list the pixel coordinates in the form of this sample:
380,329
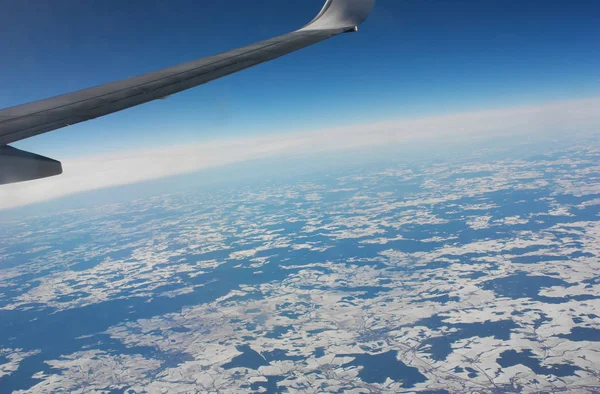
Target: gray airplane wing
28,120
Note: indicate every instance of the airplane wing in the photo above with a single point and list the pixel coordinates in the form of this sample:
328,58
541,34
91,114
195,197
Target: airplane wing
28,120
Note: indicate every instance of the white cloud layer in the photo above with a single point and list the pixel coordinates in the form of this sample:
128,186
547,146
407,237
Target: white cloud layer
89,173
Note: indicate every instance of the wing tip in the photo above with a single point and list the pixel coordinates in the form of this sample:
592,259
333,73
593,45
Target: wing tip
341,14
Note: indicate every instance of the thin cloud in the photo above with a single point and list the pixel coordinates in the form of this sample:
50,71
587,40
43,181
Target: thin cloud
90,173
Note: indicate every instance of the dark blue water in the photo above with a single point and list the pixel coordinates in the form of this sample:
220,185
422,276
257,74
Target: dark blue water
377,368
580,334
523,285
270,386
537,323
526,357
319,352
278,331
249,358
440,347
472,373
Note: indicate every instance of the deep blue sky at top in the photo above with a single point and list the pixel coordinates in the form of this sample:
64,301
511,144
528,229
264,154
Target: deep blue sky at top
412,57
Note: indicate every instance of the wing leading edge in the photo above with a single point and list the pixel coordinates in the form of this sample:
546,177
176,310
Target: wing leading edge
28,120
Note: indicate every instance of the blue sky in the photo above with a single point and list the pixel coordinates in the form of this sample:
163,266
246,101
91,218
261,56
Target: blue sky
411,58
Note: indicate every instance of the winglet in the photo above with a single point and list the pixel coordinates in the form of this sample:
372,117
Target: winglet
341,14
